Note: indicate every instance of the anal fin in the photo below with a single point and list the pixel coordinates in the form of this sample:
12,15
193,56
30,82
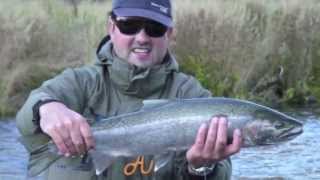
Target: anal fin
101,160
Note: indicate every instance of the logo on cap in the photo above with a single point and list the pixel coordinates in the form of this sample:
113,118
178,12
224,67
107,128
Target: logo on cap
161,8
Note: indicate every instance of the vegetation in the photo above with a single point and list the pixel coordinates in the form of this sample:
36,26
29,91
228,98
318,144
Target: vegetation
263,50
267,51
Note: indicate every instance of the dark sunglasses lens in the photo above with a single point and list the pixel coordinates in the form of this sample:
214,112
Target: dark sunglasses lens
133,26
154,29
129,27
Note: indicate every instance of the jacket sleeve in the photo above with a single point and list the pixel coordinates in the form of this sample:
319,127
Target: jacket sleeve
68,88
191,88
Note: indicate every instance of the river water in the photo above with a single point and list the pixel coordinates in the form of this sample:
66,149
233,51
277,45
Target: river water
298,159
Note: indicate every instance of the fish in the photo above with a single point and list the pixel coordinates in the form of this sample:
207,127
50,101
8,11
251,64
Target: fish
170,125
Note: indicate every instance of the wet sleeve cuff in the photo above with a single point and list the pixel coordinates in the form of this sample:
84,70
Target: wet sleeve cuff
36,114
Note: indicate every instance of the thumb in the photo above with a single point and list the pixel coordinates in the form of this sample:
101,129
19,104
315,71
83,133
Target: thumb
200,140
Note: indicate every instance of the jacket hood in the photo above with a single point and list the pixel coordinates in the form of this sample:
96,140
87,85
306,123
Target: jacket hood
130,79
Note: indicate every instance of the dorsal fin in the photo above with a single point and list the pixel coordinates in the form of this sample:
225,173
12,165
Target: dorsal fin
155,103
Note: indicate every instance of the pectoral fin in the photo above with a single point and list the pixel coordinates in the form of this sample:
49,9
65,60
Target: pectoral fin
101,160
161,160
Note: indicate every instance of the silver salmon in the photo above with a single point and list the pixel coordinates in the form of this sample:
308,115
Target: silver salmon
163,126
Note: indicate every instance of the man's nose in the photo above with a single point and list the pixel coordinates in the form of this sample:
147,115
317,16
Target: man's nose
142,36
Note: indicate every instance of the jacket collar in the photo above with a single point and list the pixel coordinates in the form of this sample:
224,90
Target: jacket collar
130,79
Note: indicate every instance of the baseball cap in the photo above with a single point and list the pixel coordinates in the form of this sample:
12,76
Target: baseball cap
157,10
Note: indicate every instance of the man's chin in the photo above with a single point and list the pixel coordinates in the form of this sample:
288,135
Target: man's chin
141,63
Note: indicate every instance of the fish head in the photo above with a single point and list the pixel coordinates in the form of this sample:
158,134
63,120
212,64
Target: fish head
270,127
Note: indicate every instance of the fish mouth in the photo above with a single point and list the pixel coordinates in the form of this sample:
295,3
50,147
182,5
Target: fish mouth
291,133
285,136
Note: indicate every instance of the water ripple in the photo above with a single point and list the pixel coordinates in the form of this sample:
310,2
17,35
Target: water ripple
294,160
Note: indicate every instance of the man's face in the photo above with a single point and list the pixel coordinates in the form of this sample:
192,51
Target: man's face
141,47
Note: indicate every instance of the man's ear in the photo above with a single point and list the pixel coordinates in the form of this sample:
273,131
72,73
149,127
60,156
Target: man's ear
110,27
170,33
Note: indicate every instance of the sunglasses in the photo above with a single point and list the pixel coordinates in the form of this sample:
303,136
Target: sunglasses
133,25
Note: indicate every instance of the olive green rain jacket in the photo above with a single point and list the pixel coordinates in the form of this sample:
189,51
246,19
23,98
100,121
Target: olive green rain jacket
108,88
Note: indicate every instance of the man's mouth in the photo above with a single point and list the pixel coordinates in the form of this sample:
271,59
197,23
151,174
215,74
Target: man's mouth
141,50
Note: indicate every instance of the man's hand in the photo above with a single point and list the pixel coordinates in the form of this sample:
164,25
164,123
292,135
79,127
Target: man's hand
68,129
211,143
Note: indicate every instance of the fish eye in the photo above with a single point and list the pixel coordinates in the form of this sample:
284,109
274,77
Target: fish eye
278,124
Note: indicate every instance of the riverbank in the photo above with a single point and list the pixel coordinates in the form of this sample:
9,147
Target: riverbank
265,51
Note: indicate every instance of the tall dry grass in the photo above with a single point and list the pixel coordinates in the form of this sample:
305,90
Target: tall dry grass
39,39
263,49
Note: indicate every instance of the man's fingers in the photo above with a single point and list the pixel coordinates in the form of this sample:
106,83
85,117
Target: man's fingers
201,137
87,135
66,137
236,144
68,129
57,139
211,136
78,141
195,152
222,133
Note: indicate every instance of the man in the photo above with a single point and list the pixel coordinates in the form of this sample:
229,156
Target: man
133,64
